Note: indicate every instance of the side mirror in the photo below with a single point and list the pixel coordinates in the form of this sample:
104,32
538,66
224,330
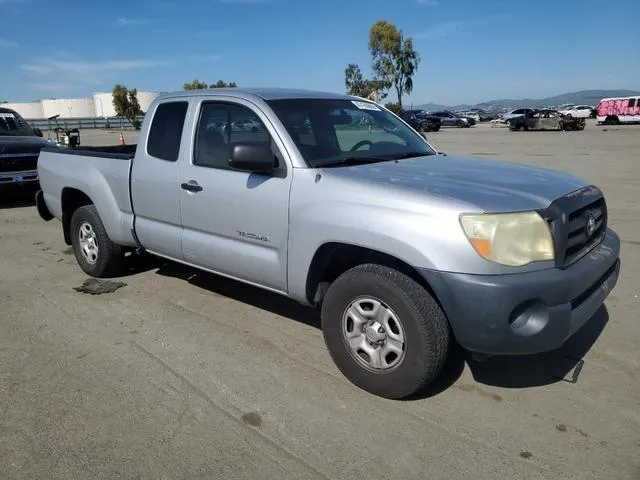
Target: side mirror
37,131
252,157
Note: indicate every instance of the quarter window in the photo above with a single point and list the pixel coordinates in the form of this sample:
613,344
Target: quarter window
165,133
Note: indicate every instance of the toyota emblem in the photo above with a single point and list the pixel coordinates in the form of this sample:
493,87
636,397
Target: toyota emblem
591,225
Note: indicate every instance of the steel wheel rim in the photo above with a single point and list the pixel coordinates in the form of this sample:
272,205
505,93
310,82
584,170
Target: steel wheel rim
373,334
88,242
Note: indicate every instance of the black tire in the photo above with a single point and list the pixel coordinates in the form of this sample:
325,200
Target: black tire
109,257
426,330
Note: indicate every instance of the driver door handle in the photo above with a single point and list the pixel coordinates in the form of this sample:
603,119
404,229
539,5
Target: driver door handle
191,187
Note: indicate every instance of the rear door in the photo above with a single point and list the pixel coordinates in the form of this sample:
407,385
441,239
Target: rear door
235,223
155,191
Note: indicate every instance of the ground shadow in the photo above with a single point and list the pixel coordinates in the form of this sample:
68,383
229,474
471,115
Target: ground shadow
17,197
242,292
135,263
528,371
448,376
562,365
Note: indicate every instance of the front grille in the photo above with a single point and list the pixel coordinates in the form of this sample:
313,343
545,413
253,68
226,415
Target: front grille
578,222
18,163
586,226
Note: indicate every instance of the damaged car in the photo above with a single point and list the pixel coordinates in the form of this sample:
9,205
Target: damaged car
545,120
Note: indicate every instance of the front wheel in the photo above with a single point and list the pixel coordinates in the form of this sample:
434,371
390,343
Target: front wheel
96,254
384,331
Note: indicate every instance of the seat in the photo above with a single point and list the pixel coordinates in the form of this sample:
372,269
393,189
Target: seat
211,149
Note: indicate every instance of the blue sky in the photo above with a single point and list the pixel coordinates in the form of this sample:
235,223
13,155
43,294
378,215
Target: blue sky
472,50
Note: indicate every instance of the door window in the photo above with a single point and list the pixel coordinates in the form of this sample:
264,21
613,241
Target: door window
220,127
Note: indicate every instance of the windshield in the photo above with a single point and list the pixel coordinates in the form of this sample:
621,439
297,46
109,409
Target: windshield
334,132
13,124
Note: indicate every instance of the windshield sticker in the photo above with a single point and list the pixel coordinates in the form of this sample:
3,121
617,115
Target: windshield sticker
7,115
366,105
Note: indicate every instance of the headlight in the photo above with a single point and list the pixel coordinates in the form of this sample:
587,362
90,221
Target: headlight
513,239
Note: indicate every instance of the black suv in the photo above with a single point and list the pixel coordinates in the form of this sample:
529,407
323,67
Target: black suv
19,149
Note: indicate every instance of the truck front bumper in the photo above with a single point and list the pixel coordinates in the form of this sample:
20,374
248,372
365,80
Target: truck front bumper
527,313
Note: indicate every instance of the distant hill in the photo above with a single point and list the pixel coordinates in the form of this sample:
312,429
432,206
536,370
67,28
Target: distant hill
585,97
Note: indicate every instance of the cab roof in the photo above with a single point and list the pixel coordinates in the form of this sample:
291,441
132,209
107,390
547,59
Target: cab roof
262,93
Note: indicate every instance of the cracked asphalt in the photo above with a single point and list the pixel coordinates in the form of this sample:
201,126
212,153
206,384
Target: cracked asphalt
182,374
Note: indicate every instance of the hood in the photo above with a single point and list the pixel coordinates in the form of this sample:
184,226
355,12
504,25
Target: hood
11,144
486,184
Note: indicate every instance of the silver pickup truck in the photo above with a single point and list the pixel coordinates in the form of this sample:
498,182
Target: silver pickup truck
335,202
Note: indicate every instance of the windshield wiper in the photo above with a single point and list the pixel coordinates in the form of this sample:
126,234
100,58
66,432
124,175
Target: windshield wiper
349,161
400,156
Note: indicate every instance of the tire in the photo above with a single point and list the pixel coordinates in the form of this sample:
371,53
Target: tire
104,261
419,320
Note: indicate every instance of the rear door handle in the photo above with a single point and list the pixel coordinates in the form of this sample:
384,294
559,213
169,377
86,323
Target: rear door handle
191,187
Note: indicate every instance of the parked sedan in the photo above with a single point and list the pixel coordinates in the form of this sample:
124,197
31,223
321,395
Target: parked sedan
420,121
578,111
515,113
546,120
450,119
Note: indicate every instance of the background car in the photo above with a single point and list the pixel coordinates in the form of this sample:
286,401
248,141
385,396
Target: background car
578,111
450,119
546,119
516,113
421,121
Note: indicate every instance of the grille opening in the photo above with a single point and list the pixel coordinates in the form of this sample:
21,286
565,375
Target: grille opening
18,164
578,240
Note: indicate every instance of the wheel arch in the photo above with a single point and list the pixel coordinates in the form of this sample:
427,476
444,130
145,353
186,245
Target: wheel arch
71,200
332,259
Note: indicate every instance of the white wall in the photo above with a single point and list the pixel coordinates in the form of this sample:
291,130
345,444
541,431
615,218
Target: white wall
26,110
145,99
103,103
99,105
69,107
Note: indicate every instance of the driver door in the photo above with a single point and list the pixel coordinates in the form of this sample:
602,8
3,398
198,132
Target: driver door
235,223
550,121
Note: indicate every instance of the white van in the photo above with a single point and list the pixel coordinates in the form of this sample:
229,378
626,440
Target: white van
619,110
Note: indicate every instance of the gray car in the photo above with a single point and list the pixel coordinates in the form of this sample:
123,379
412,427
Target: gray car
335,202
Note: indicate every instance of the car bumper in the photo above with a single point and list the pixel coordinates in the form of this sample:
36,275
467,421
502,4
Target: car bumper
527,313
19,178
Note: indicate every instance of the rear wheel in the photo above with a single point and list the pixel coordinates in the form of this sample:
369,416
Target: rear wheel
96,254
384,331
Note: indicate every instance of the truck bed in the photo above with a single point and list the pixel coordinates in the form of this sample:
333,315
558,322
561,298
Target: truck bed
125,152
100,173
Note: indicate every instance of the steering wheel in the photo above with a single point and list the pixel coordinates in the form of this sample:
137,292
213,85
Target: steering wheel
360,144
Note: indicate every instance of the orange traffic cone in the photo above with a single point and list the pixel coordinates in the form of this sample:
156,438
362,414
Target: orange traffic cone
121,139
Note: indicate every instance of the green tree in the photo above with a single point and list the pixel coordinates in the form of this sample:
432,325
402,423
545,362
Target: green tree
394,58
356,84
222,84
195,85
394,107
125,103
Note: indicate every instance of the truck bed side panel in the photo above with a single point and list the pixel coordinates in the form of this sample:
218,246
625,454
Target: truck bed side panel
105,180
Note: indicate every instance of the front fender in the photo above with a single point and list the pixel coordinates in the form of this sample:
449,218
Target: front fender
419,240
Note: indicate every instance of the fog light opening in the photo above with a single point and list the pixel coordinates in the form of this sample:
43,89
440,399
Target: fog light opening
529,317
